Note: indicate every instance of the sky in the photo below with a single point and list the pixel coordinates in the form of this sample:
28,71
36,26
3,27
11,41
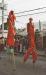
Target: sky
25,5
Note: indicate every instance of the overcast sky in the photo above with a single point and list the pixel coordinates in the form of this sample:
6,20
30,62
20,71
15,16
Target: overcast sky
25,5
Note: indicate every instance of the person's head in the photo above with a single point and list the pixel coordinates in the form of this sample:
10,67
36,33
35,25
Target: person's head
11,12
30,19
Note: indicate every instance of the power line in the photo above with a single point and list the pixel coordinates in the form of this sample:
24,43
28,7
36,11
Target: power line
29,14
30,10
32,14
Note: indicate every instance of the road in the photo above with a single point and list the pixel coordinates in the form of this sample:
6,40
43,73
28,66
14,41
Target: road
7,68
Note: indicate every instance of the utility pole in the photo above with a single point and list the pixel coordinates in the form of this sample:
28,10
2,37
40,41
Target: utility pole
3,20
3,8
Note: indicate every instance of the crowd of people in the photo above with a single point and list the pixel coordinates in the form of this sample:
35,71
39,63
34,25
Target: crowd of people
18,44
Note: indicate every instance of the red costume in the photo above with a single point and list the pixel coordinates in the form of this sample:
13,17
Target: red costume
11,30
31,42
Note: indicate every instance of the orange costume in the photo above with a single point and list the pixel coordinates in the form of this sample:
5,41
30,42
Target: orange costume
31,42
11,30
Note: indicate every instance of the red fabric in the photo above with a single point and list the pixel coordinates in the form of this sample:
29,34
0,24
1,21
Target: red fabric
12,18
11,30
30,51
10,41
31,43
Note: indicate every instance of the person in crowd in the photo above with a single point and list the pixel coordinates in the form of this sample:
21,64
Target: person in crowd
31,42
11,34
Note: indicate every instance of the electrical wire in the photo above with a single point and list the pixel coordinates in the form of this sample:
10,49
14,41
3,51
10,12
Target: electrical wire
31,10
32,14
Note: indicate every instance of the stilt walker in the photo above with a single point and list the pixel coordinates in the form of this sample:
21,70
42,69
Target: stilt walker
31,42
11,33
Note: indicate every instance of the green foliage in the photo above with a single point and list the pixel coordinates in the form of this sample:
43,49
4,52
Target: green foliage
5,26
